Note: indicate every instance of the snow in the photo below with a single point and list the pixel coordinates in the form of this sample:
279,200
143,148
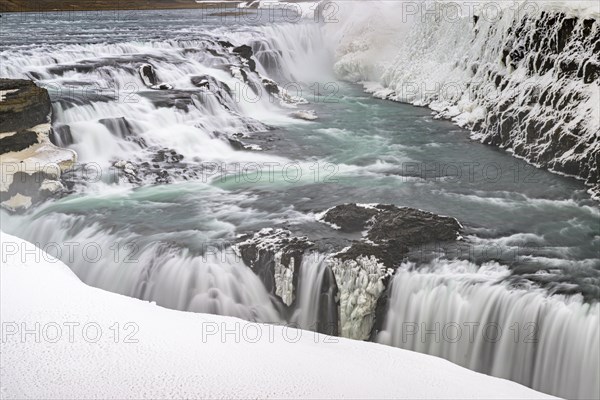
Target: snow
74,350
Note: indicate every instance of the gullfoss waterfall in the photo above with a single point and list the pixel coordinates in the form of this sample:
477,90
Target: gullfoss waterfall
209,156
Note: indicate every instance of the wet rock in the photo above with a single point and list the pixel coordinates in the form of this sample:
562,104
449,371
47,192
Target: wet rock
357,272
212,87
275,256
244,51
31,164
61,135
167,156
363,269
390,231
225,43
349,217
22,105
412,227
148,75
118,126
18,142
591,71
163,166
150,79
271,86
239,145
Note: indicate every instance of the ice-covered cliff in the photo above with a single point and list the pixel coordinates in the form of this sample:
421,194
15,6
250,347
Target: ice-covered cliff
524,76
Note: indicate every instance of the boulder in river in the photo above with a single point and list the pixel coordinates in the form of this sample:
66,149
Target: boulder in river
363,269
150,79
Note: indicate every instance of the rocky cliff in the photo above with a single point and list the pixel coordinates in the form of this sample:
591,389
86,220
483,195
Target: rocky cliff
525,77
31,165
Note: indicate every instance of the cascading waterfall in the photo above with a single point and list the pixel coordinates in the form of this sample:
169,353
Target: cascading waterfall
102,103
465,314
112,116
94,85
154,267
316,307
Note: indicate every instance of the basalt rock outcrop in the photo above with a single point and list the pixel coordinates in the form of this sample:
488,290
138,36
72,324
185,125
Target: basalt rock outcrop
363,269
31,165
357,272
275,256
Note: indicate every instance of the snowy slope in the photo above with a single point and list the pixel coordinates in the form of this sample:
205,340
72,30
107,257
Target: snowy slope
165,354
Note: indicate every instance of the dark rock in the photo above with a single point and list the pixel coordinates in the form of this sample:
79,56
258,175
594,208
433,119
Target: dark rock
244,51
19,141
165,166
118,126
167,156
180,99
26,107
261,251
61,135
252,65
392,230
122,128
272,249
236,144
213,87
390,253
150,79
591,71
412,227
25,115
225,43
350,217
271,86
201,81
27,185
565,32
148,75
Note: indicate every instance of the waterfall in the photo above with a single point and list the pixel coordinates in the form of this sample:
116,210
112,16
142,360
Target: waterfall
316,307
200,277
211,95
112,116
467,315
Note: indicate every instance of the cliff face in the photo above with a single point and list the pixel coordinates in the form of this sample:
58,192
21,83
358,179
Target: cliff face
547,76
31,165
526,80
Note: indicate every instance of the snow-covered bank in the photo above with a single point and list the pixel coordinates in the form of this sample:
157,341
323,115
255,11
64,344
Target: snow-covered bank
64,339
524,76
